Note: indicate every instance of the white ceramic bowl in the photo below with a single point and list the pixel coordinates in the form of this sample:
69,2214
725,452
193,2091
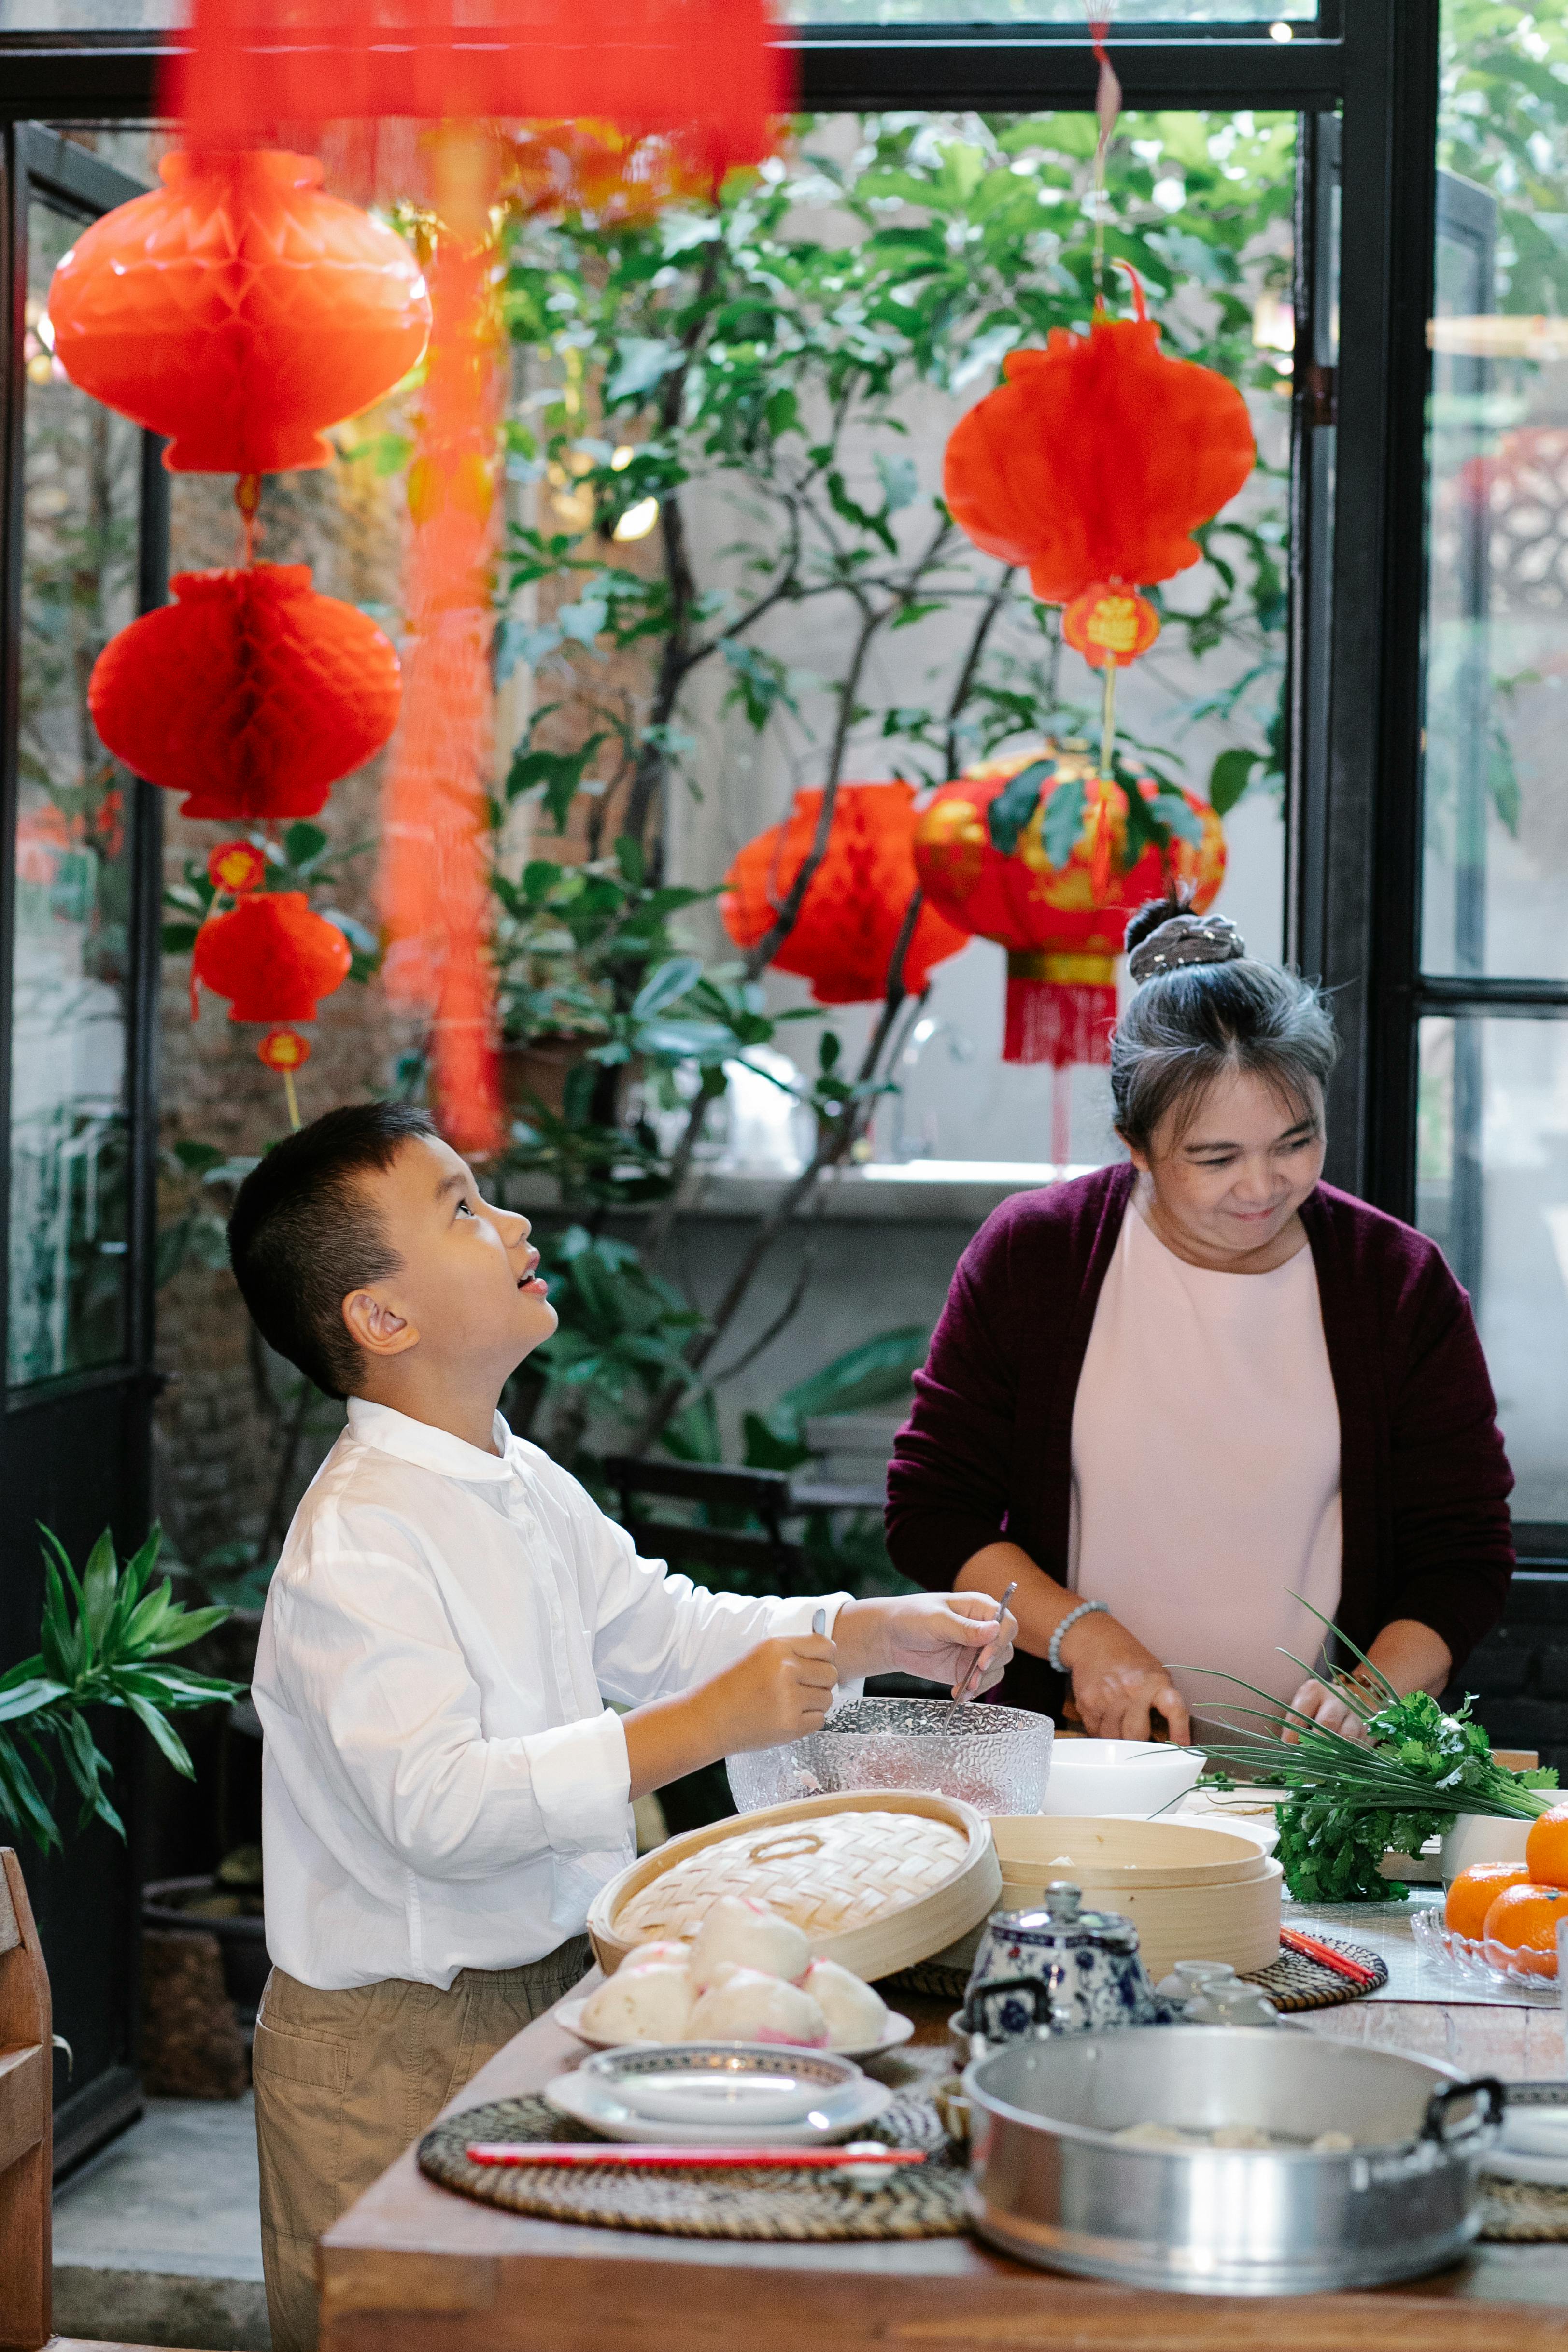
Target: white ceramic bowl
1117,1776
1478,1837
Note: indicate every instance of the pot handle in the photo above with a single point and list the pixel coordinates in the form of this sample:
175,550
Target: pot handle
1487,2097
1032,1988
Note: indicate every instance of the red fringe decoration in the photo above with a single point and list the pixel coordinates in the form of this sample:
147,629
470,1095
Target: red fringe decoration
436,890
1059,1022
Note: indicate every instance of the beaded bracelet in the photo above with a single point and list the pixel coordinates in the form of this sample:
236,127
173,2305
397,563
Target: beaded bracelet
1085,1609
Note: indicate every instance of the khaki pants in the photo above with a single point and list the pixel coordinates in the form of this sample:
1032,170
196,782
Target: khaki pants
346,2081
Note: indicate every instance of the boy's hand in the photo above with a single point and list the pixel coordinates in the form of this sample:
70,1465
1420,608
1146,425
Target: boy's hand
936,1635
777,1692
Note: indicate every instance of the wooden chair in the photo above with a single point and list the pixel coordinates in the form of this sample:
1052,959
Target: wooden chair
26,2130
756,1559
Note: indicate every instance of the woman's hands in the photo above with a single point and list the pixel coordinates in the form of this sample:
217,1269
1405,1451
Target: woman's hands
1325,1706
1118,1686
937,1635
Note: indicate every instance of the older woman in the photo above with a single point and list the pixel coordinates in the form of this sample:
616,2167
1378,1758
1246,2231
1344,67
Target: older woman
1181,1400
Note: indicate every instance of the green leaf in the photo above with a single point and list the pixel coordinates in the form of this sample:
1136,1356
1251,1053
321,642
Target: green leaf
1063,822
672,981
98,1582
20,1800
764,1449
166,1739
1016,803
876,1372
302,843
1230,777
641,361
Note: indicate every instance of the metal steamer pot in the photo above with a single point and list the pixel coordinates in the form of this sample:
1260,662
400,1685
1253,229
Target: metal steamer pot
1049,2184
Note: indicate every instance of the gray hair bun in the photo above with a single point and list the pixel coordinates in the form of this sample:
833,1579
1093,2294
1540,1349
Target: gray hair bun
1183,940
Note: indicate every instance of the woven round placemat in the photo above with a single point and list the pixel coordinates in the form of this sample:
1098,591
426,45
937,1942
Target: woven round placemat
1521,2210
1291,1982
916,2201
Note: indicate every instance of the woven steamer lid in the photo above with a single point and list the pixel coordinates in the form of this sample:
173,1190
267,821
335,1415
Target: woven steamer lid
875,1881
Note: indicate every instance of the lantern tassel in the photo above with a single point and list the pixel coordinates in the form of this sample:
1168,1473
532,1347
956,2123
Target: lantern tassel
1061,1009
435,891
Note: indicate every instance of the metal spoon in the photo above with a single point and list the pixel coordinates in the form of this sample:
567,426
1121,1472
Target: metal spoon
966,1693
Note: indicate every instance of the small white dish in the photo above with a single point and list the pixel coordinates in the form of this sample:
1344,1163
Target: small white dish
900,2029
594,2103
734,2086
1096,1777
1514,2164
1536,2131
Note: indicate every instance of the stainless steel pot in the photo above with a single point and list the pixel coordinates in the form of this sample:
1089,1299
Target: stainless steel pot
1050,2183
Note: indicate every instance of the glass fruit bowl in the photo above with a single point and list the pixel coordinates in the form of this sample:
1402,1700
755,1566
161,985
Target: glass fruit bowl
996,1758
1473,1961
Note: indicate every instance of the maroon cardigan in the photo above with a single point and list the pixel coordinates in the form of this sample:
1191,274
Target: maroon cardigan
1423,1480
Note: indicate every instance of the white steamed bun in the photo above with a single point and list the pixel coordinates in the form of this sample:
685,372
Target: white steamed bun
751,1933
751,2007
856,2014
677,1953
653,2003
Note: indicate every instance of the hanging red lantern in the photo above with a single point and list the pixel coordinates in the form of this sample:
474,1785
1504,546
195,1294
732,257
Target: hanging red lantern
283,1050
1063,923
237,867
272,956
238,309
250,693
1108,624
1097,459
855,908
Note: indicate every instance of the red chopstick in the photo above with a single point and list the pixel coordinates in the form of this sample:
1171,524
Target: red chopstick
589,2152
1341,1962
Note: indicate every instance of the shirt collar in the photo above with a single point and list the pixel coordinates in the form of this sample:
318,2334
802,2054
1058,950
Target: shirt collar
429,1448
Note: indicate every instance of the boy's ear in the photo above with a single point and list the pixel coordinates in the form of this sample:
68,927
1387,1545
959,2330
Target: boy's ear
375,1327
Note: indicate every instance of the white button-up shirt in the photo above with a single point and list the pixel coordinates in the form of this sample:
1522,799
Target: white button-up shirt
443,1785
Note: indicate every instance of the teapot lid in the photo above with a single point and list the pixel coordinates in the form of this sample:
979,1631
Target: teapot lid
1063,1912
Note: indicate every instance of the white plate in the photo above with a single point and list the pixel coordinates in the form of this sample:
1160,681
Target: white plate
899,2031
736,2085
1545,2171
587,2102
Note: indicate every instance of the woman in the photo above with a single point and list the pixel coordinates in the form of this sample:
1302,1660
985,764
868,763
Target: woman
1179,1400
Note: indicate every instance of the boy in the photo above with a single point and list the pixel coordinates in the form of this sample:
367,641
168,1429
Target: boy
444,1788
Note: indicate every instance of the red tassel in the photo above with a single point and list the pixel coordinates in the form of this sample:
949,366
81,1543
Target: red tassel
1056,1021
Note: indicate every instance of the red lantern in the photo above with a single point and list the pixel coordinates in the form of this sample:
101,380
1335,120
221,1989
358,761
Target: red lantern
238,309
236,866
283,1049
855,908
272,956
1097,458
1107,624
1063,925
250,693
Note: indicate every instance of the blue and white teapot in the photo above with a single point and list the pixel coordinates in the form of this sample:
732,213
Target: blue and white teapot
1060,1969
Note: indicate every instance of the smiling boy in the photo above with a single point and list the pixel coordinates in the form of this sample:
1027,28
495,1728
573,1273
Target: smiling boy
444,1789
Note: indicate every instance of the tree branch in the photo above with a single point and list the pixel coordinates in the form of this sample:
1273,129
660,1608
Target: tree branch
993,605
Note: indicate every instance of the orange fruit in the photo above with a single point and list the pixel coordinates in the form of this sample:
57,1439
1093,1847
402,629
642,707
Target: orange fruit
1546,1848
1521,1927
1475,1890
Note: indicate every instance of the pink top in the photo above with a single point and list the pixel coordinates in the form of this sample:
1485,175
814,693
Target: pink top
1205,1466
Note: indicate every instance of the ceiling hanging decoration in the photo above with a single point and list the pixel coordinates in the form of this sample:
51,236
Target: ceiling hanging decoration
250,693
855,908
1049,859
705,78
239,310
271,956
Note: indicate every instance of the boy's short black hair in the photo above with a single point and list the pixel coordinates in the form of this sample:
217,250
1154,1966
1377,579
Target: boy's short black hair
303,1235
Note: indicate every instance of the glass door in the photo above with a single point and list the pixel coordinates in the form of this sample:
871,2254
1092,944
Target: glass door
83,521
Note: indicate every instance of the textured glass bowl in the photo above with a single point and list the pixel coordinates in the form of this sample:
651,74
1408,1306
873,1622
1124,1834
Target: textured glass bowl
996,1758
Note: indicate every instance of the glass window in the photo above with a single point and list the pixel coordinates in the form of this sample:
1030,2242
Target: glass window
1492,1190
69,1030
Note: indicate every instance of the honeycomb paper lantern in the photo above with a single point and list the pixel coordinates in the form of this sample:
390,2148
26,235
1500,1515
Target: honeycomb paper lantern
272,956
238,309
850,919
250,693
1097,458
1064,926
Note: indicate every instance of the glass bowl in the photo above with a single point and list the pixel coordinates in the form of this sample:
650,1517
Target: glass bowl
1472,1963
996,1758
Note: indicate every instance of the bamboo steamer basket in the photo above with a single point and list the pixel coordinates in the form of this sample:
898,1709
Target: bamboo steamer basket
906,1928
1192,1892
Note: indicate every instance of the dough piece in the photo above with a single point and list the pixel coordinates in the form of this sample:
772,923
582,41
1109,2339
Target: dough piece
1152,2135
857,2015
1240,2136
642,2005
751,2007
1332,2143
747,1933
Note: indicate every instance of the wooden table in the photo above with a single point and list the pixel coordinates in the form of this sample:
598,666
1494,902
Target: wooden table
414,2268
